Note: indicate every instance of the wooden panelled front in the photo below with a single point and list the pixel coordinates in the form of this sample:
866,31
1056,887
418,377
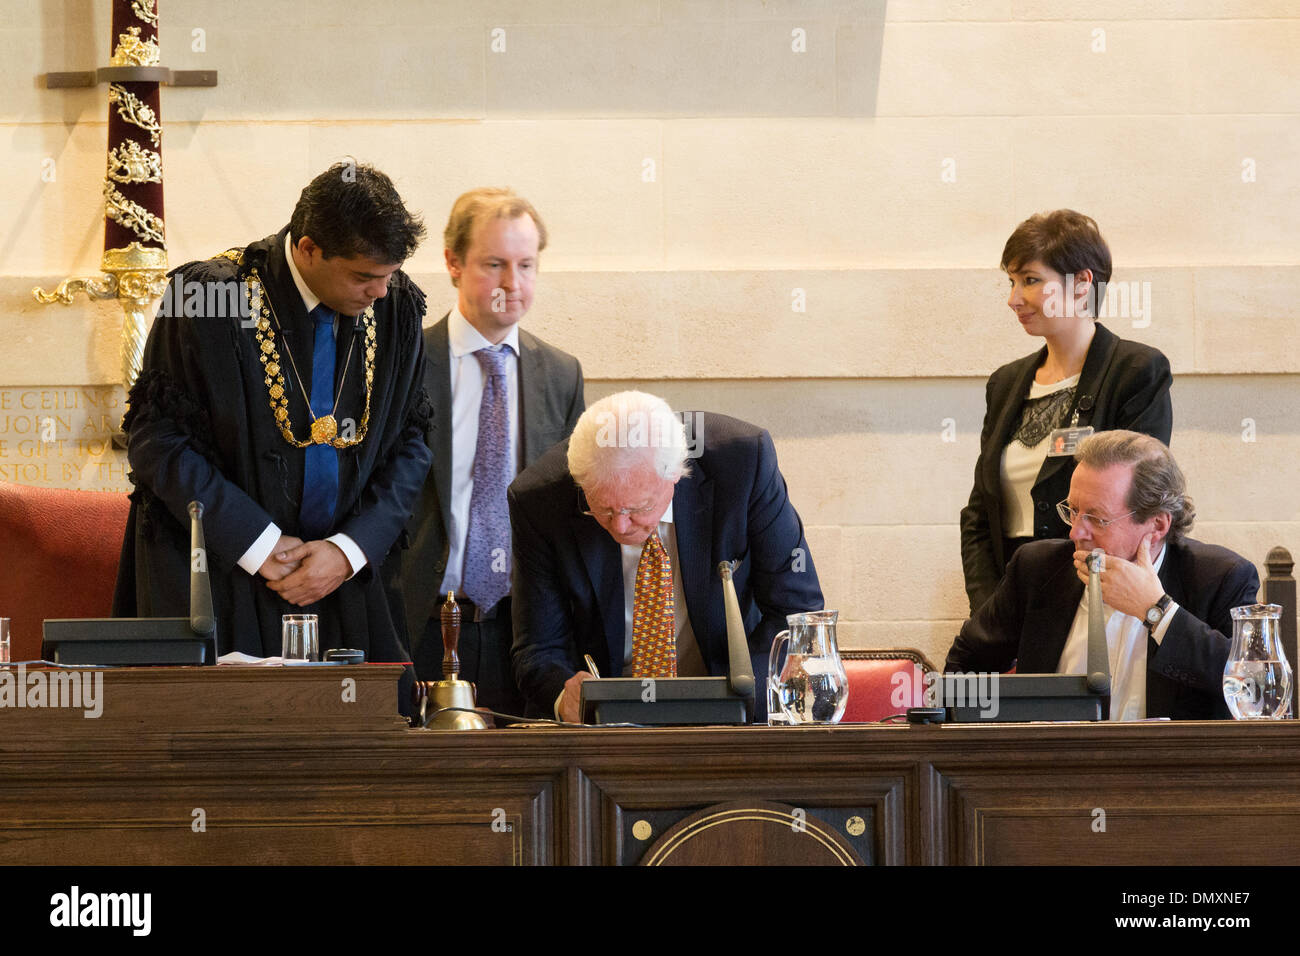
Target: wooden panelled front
1188,793
282,783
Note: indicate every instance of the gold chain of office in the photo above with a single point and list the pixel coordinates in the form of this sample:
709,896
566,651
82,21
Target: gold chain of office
324,430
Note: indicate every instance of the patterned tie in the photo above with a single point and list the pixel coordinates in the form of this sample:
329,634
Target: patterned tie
486,578
654,639
320,484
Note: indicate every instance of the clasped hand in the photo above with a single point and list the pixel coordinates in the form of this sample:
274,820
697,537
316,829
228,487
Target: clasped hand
1130,587
304,572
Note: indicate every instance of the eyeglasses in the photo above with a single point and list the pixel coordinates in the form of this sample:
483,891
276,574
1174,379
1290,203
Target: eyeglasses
609,514
1068,515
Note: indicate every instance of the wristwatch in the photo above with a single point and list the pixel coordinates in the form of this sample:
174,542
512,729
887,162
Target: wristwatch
1156,612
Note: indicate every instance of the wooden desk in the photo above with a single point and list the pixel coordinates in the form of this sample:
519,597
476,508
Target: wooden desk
234,766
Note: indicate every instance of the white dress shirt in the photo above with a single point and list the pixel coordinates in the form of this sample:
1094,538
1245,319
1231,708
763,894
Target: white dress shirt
1020,468
256,556
1126,642
466,396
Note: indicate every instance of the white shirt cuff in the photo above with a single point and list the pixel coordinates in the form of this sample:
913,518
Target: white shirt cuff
261,549
558,701
1158,634
356,558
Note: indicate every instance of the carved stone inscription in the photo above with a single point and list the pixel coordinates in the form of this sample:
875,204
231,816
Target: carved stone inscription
61,437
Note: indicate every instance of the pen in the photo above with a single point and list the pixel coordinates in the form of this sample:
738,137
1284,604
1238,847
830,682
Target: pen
591,665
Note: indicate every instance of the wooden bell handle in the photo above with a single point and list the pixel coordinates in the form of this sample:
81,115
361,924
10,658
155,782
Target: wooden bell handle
450,637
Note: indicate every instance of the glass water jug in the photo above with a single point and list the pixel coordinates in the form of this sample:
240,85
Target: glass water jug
1257,678
811,687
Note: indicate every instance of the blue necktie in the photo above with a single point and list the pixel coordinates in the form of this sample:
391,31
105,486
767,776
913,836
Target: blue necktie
320,485
486,578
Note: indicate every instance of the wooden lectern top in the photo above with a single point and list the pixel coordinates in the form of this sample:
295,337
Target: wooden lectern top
95,702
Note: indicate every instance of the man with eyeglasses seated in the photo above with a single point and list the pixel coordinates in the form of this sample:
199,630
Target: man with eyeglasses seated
1166,597
617,538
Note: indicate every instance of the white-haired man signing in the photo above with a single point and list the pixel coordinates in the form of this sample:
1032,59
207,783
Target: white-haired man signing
617,538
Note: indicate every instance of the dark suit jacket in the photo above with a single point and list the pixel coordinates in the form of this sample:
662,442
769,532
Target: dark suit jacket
1122,385
1028,620
568,571
551,400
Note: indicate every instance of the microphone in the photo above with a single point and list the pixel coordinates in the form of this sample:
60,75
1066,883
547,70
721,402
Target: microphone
1098,651
141,641
740,672
202,620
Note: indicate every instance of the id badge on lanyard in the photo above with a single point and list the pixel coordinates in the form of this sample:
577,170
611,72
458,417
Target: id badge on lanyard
1065,441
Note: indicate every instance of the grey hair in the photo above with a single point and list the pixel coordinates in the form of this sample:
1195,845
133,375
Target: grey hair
625,433
1158,483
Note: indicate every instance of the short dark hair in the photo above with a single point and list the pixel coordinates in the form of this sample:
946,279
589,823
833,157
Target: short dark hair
1066,242
1158,483
353,209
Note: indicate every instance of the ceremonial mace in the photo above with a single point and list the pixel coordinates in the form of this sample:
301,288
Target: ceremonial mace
134,263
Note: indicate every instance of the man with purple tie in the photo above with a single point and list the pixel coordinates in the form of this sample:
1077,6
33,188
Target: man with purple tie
501,397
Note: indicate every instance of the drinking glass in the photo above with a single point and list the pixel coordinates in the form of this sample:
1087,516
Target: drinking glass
299,638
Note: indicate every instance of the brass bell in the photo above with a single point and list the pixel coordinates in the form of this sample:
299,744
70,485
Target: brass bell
435,695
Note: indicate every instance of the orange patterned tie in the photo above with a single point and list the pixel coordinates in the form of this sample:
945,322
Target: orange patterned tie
654,641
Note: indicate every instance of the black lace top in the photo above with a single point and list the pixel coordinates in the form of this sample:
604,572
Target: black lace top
1040,415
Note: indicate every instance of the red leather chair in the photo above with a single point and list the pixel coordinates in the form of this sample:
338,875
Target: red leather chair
873,688
60,558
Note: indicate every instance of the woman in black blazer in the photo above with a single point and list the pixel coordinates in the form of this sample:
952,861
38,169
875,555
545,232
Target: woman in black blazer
1085,375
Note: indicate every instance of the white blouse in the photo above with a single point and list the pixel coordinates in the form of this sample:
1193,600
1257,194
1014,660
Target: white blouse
1020,468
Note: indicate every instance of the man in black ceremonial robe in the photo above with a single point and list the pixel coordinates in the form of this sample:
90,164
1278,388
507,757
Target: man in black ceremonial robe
281,388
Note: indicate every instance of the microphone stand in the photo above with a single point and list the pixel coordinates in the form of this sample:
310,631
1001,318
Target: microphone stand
1098,651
